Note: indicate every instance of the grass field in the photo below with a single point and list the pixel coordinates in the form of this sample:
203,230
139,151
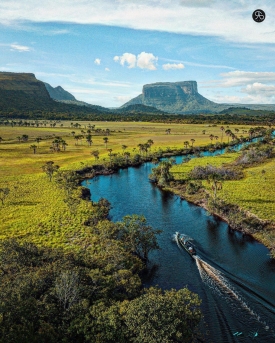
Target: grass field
35,209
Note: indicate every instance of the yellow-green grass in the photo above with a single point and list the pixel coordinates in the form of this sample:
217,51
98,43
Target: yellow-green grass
180,171
35,208
255,192
17,158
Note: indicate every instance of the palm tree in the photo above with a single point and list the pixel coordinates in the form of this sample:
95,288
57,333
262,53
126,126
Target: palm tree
38,140
126,155
150,142
140,146
77,138
89,139
211,137
222,130
110,154
124,147
106,141
49,168
64,144
186,144
33,147
95,153
228,134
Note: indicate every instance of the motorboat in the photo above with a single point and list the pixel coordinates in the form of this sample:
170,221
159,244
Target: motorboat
185,242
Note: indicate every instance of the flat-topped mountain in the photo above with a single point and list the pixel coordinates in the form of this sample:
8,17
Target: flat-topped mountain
24,83
22,92
175,97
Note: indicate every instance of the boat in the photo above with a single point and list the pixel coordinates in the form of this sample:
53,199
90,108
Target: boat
186,244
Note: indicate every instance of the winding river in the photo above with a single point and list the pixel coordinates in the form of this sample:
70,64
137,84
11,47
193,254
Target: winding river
233,274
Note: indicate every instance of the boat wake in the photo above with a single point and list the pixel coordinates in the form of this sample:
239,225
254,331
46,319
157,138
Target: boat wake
218,283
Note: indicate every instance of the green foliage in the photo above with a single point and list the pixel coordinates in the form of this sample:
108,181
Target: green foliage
138,237
163,317
49,168
161,174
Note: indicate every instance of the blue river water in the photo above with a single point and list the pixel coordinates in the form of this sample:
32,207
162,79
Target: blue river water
234,275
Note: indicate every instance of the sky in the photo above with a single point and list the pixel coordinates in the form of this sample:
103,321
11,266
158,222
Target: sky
104,51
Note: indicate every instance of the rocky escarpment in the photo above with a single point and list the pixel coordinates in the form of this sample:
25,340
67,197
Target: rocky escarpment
175,97
23,83
58,93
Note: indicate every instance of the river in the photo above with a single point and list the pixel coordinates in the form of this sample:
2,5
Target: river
233,275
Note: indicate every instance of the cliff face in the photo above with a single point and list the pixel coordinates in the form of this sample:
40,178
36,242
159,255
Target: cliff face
23,83
174,97
58,93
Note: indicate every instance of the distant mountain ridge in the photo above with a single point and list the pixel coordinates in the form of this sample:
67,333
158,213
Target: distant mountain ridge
183,98
22,92
58,93
175,97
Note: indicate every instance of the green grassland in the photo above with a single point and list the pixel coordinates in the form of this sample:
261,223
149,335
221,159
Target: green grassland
35,208
180,171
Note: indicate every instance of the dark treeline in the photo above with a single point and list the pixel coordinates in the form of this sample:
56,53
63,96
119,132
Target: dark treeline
35,110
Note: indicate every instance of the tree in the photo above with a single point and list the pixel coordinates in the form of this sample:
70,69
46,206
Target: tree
138,237
211,137
49,168
4,192
38,140
126,155
215,181
186,144
95,153
150,142
228,134
168,131
33,147
161,173
1,139
110,154
67,180
124,147
222,130
24,138
105,139
66,288
192,140
89,139
163,317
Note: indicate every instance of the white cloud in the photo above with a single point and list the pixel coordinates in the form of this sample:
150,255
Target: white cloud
122,98
107,69
197,3
241,78
20,48
144,60
230,20
97,61
126,58
147,60
169,66
258,88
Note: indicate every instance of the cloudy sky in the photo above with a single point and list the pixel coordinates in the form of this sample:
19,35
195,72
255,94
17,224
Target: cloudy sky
104,51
